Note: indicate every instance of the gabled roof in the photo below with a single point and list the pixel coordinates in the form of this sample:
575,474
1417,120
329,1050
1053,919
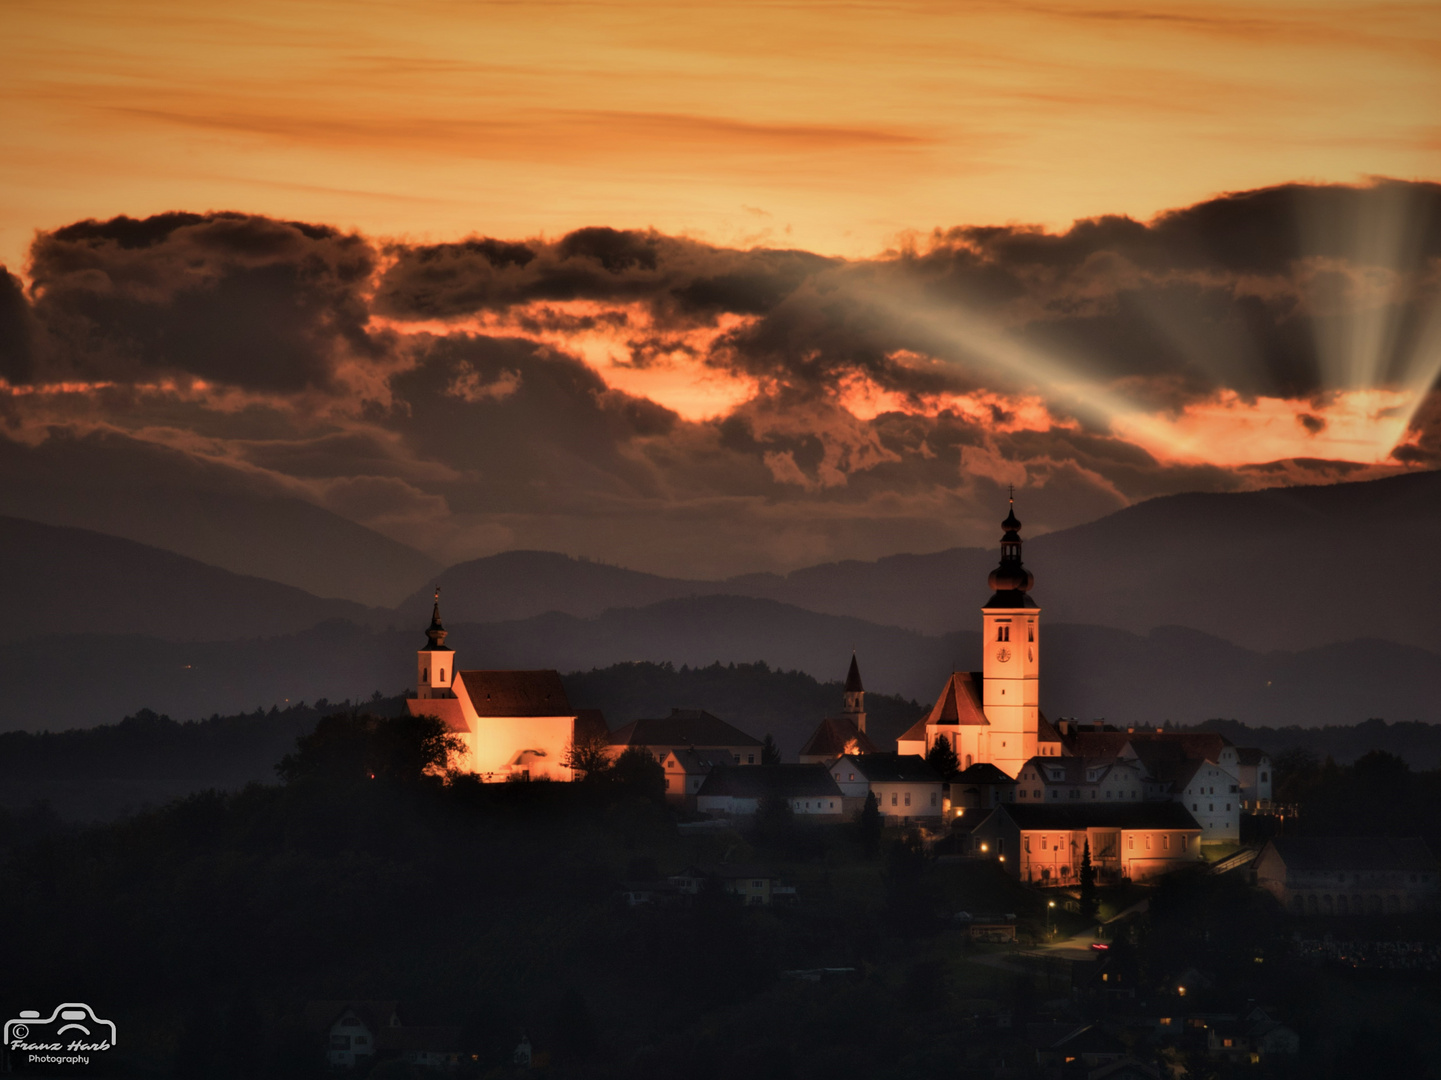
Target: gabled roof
853,677
683,727
770,781
516,693
1044,731
1354,853
591,723
894,768
983,772
837,735
959,703
1250,755
1077,770
1140,815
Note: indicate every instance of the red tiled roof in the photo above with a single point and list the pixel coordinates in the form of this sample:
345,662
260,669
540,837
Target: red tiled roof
516,693
837,735
959,703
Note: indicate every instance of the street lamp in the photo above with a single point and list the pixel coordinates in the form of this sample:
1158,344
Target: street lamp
1050,929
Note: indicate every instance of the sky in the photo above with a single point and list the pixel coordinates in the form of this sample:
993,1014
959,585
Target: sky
714,289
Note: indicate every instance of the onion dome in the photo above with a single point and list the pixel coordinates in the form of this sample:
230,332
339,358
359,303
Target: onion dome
1010,580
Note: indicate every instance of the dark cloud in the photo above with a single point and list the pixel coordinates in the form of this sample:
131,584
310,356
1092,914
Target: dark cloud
505,436
670,275
230,298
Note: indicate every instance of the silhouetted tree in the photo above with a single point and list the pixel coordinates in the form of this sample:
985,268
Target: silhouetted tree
942,757
348,748
770,752
1088,883
588,754
637,772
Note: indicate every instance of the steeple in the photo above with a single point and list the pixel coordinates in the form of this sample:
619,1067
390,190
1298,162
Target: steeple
437,631
855,695
1011,580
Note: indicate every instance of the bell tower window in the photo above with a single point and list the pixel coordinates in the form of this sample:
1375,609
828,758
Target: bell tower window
442,675
425,674
1003,633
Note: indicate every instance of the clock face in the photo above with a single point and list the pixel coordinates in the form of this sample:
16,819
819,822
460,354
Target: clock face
1003,654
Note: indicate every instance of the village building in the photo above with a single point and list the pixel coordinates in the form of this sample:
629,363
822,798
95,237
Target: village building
1349,875
1065,779
903,784
980,787
359,1033
688,729
685,772
809,790
756,886
1044,845
994,715
513,724
844,734
1254,772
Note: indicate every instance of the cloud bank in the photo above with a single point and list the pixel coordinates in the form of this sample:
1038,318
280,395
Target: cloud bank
673,405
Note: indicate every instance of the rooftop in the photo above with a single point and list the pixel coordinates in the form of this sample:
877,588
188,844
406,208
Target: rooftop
771,781
516,693
683,727
1146,815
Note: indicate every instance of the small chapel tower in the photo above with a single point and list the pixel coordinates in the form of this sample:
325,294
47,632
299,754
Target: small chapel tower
855,707
434,664
1010,638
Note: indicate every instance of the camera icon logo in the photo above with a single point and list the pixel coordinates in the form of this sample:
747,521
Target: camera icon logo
70,1024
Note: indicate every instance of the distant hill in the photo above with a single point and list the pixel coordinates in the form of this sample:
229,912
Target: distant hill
56,580
1286,568
1171,674
156,496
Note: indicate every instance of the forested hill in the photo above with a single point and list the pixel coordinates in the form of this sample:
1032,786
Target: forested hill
145,760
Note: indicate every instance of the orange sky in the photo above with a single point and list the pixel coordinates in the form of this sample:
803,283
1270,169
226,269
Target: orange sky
833,127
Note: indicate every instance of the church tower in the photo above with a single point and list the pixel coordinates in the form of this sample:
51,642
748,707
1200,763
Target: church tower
434,664
855,708
1010,638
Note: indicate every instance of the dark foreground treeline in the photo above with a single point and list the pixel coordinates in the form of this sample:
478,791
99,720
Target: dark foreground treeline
98,774
203,929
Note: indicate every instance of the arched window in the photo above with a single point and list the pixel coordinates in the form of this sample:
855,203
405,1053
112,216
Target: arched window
442,675
1031,633
1003,633
425,674
968,761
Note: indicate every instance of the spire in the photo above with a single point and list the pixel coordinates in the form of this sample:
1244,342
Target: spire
853,677
437,630
1010,579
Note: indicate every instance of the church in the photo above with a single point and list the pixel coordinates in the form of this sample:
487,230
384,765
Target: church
993,716
516,725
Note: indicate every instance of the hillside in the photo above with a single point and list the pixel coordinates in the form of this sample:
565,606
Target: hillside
1171,674
155,496
1287,568
56,580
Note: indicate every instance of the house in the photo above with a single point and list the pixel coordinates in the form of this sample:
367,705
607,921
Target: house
993,715
1045,844
1212,794
1254,773
688,729
1080,1048
1064,780
844,734
754,885
980,787
352,1029
686,770
1348,875
513,724
739,791
903,784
